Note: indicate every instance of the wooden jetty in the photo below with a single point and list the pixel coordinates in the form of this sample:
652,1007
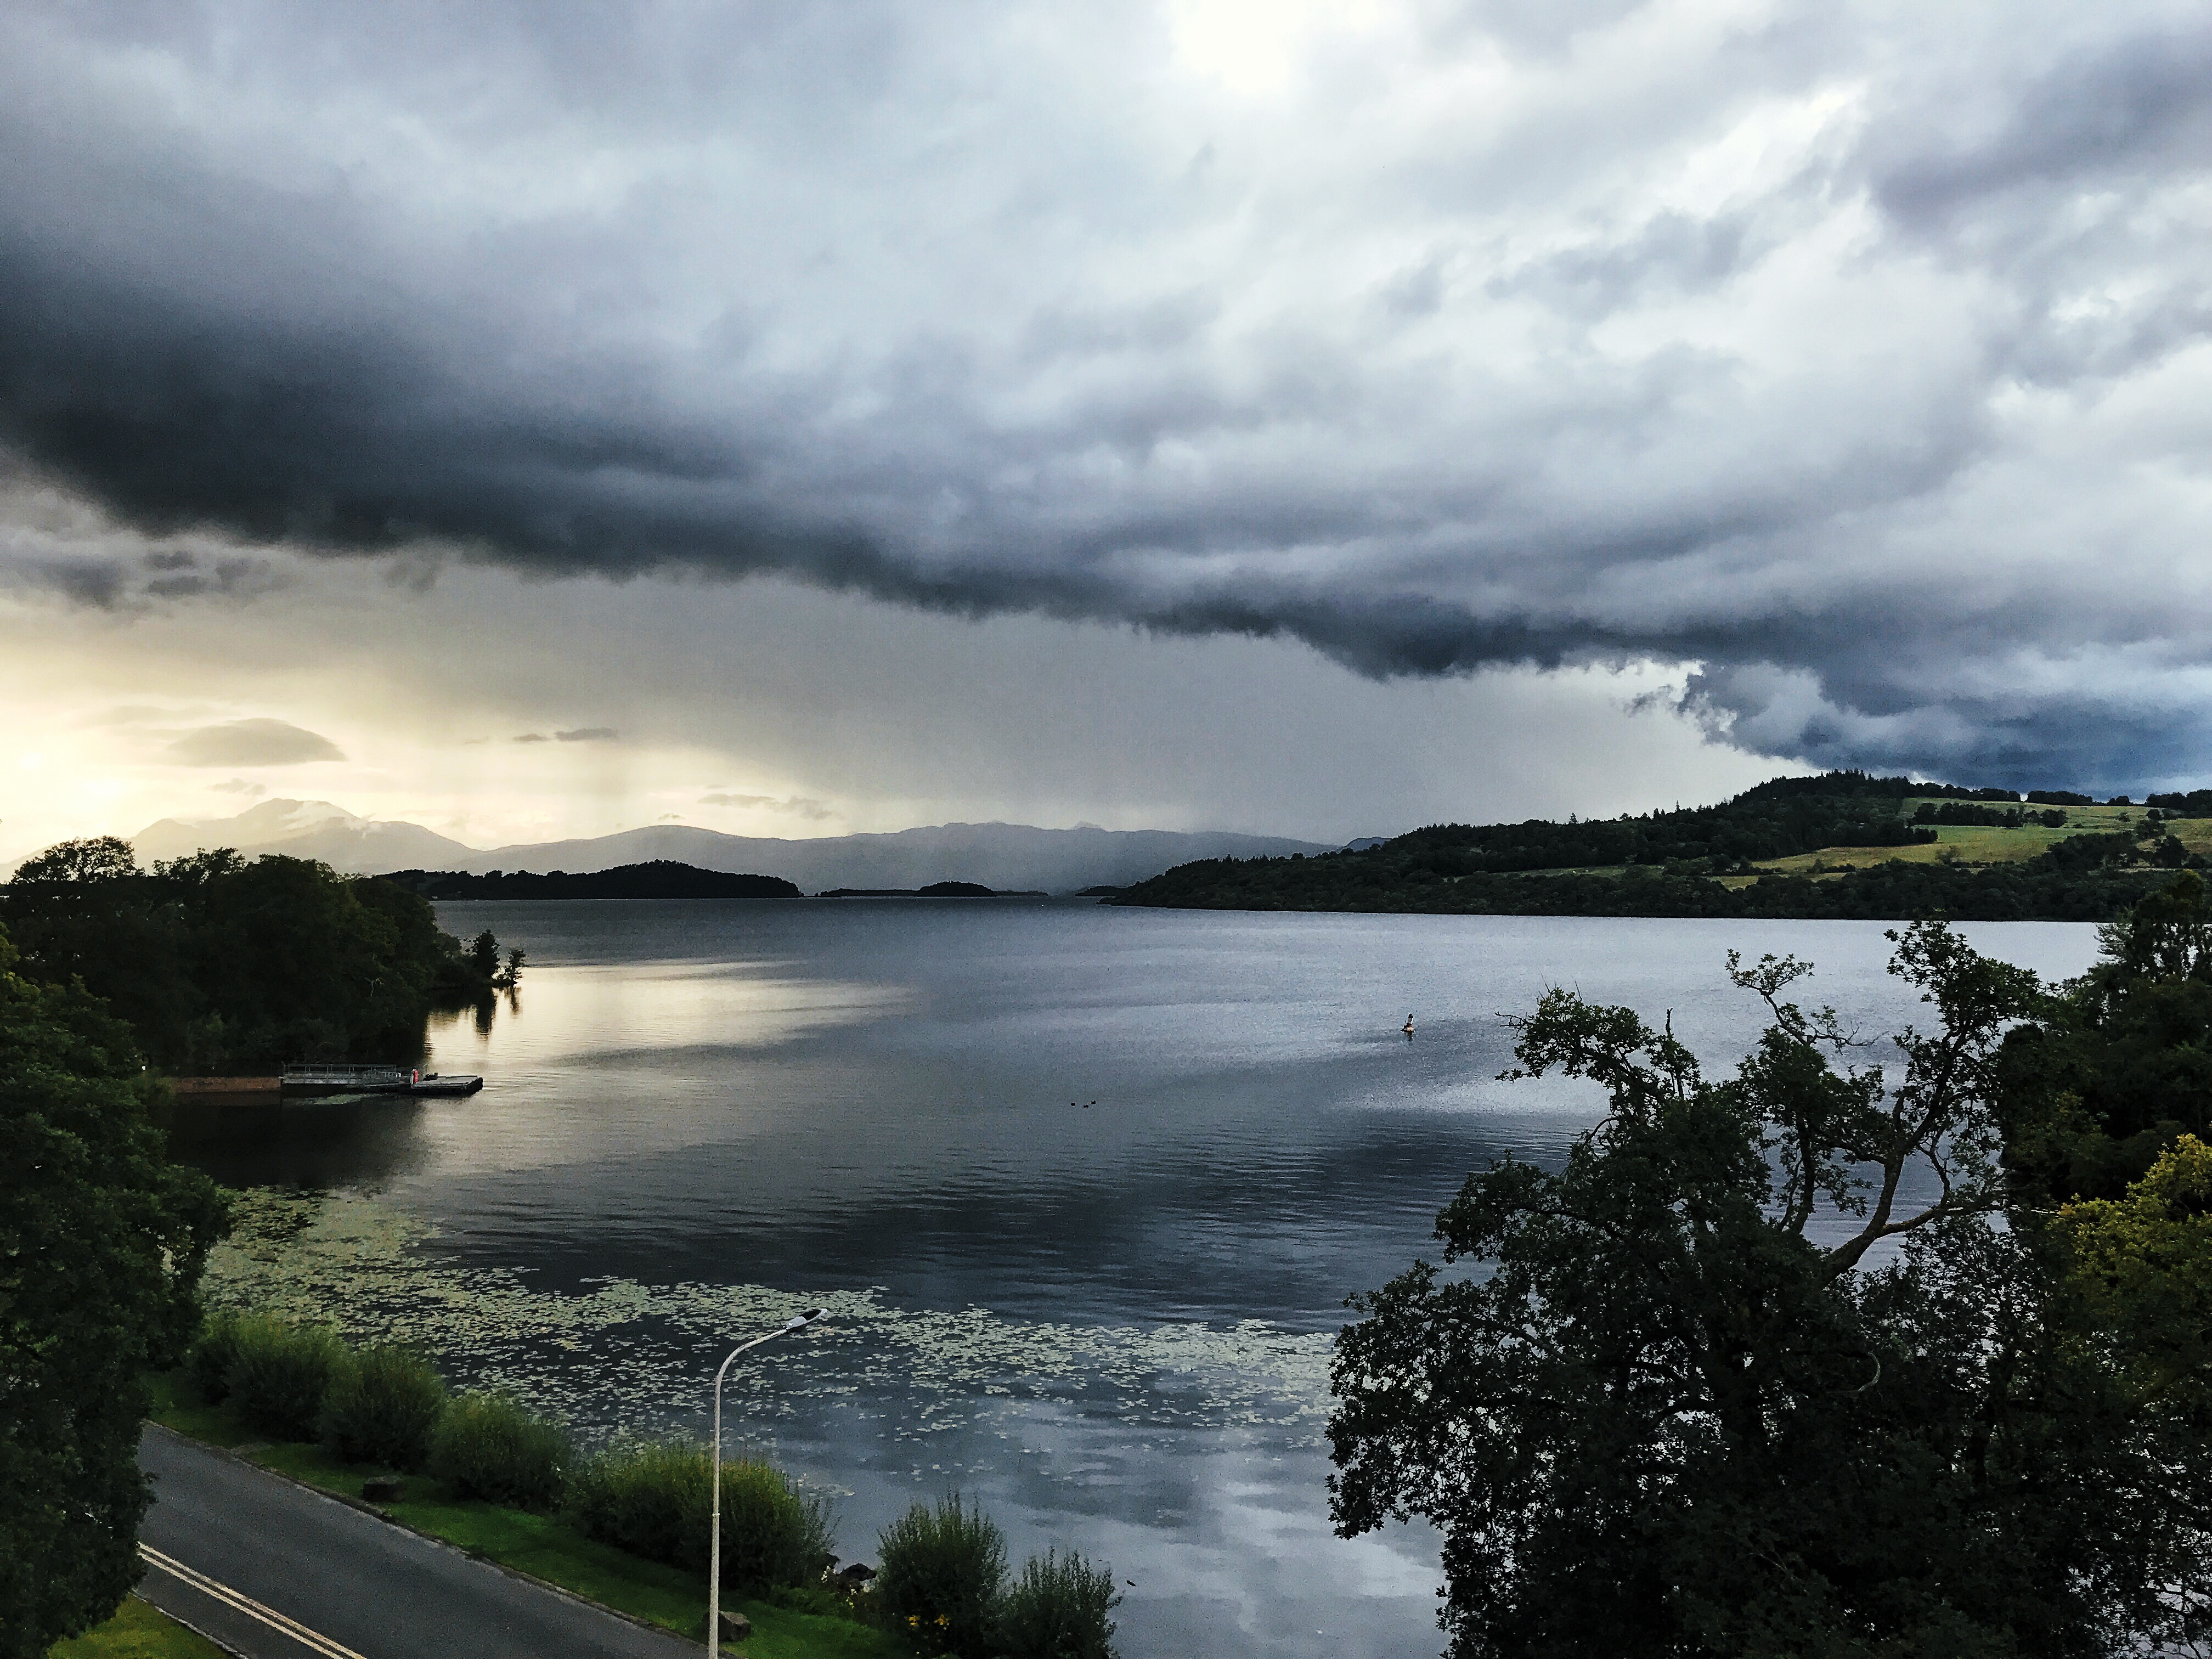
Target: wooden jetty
317,1079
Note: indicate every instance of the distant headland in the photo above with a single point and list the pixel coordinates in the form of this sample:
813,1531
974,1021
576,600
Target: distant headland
659,879
1844,845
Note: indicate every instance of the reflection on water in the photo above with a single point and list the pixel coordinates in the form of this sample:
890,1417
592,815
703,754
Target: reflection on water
1111,1319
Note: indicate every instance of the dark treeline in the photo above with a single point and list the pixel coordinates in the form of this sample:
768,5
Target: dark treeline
1770,822
661,878
221,965
1980,816
2035,889
1776,819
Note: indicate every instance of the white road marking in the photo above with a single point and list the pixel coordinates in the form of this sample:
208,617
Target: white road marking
314,1641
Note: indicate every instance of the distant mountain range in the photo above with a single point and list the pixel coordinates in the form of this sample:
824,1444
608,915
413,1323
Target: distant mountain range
1000,855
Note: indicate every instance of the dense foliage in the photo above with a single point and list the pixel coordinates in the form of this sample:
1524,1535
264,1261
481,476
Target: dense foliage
279,1374
661,878
493,1446
2121,1064
1060,1606
1688,1408
943,1570
102,1241
220,965
382,1405
653,1498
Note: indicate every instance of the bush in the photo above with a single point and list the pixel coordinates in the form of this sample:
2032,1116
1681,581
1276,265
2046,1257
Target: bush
650,1497
941,1572
647,1496
278,1374
213,1352
772,1534
1058,1609
382,1408
489,1446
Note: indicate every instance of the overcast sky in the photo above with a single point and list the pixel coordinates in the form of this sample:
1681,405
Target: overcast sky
1322,419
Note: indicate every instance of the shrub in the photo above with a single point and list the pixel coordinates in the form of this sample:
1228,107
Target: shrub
490,1446
279,1373
382,1408
772,1534
647,1496
941,1572
650,1497
212,1356
1058,1609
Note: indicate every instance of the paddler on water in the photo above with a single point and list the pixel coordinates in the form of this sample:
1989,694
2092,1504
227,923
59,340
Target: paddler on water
1409,1028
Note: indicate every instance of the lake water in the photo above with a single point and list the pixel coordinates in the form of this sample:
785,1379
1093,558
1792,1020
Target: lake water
1111,1320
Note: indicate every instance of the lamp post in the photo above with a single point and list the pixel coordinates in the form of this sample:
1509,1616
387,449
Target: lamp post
715,1527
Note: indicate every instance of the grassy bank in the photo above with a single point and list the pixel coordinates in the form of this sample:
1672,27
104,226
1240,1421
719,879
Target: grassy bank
540,1546
138,1631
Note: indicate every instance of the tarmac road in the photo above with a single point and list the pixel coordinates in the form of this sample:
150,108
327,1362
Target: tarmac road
277,1571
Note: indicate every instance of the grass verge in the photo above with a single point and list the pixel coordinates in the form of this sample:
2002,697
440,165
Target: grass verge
136,1632
538,1545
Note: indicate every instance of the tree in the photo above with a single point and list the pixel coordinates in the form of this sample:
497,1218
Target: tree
98,858
1682,1407
102,1244
219,964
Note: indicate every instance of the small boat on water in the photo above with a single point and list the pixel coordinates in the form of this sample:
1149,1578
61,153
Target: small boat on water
317,1079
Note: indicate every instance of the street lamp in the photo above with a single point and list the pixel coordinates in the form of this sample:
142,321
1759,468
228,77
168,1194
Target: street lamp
715,1528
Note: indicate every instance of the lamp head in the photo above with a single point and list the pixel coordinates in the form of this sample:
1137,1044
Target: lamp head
806,1318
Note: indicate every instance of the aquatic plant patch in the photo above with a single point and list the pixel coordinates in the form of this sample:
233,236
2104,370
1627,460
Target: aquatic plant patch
618,1356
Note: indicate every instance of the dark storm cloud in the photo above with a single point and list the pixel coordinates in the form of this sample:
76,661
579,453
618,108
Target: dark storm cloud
1854,358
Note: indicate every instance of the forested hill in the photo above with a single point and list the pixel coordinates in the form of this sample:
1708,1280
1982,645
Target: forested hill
1843,844
1771,821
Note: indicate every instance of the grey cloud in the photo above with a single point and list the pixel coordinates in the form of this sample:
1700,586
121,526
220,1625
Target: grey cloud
1675,252
238,786
580,734
2139,105
797,805
251,742
1416,291
1687,386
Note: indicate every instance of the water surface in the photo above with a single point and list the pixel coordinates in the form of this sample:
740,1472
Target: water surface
1085,1186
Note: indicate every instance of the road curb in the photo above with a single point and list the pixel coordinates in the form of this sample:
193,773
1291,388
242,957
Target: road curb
206,1635
369,1509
